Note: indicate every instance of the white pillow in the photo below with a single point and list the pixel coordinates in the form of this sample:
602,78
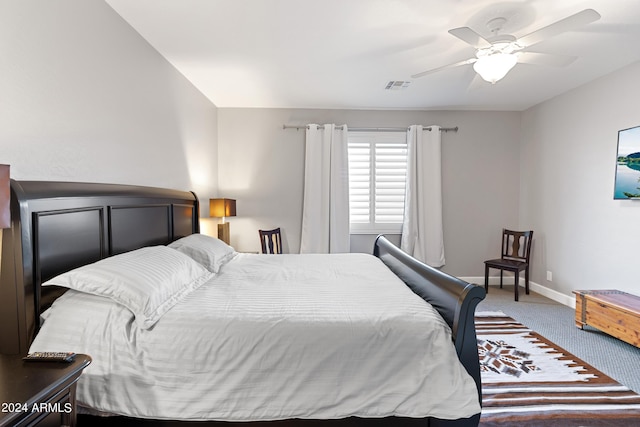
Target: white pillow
148,281
208,251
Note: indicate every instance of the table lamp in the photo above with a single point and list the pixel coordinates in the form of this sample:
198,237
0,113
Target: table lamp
222,208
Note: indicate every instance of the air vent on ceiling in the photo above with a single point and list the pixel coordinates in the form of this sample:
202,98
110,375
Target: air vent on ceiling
397,85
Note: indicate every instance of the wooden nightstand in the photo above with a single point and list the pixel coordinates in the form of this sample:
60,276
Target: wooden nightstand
39,393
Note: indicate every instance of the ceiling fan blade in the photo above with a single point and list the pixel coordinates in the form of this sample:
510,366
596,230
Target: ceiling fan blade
469,36
545,59
444,67
567,24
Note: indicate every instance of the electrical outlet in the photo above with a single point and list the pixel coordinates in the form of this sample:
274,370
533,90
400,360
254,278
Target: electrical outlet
549,276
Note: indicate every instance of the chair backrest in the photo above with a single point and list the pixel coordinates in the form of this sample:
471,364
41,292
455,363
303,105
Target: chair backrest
271,241
516,245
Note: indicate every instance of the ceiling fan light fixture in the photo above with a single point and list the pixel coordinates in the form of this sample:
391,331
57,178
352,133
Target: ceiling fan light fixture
495,66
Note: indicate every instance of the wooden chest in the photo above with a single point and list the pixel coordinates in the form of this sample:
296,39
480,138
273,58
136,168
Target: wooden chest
615,312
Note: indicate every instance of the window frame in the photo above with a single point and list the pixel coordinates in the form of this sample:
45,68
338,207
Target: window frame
373,138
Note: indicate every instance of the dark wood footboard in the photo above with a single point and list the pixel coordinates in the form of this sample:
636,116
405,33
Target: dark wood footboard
455,300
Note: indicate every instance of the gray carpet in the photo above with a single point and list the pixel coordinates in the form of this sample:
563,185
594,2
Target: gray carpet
619,360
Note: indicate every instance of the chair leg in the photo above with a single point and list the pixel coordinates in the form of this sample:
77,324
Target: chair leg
515,287
526,280
501,271
486,278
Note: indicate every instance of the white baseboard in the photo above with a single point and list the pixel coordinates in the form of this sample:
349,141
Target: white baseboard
552,294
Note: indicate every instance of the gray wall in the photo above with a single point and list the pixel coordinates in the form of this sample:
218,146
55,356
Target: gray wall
262,167
584,237
84,98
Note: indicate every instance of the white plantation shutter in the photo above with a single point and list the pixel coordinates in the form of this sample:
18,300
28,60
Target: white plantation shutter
377,177
359,181
390,181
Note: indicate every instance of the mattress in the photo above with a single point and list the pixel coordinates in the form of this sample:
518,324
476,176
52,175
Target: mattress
269,337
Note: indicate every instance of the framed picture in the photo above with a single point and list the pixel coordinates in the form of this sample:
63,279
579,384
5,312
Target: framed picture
628,165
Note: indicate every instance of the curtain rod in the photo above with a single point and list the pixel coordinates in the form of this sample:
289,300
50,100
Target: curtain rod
387,129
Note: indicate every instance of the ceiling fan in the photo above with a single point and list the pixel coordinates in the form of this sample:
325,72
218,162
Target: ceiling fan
498,54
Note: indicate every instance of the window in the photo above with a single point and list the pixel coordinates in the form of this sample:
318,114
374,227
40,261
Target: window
377,181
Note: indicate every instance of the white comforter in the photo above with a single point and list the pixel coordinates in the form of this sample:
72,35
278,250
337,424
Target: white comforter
270,337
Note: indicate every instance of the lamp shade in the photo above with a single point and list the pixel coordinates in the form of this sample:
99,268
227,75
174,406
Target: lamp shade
5,196
495,66
220,208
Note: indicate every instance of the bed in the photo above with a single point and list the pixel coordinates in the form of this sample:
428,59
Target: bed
59,229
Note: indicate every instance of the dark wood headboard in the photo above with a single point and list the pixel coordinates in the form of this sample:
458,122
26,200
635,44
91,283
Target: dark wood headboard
58,226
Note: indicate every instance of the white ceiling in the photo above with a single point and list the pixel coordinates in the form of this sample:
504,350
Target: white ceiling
342,53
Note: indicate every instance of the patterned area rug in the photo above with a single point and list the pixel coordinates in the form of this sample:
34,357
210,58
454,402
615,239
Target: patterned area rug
529,381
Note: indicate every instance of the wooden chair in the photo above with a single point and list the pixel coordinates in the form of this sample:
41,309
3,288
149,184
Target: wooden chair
271,241
516,250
